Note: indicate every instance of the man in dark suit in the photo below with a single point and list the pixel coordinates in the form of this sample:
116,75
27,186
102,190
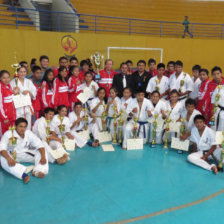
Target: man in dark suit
122,80
140,78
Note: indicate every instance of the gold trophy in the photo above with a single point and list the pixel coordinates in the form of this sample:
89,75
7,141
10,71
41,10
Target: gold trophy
115,116
154,125
48,131
120,123
157,83
85,118
182,130
168,120
104,117
16,66
13,142
62,130
97,59
220,165
217,98
135,127
182,83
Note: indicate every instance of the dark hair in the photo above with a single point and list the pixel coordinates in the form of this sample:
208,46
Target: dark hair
88,72
123,63
171,63
33,62
199,117
151,60
140,90
77,103
196,67
73,59
141,61
48,109
71,70
21,67
63,58
108,60
216,68
45,78
180,63
129,61
127,88
61,68
61,107
190,102
2,72
84,62
43,57
101,88
23,62
114,89
20,120
204,70
161,65
155,91
174,91
35,68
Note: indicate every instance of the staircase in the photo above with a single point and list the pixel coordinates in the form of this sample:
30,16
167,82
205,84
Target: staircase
14,17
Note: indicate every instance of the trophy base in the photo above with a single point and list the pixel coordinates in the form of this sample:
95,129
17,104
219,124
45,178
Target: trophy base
153,145
97,77
180,152
165,147
212,123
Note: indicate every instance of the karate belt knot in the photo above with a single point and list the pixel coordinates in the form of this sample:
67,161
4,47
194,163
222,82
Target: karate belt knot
87,105
142,124
221,109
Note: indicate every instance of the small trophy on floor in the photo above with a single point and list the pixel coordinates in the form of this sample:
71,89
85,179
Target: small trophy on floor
135,127
167,129
220,165
48,131
115,116
85,118
104,117
120,123
154,125
13,142
62,130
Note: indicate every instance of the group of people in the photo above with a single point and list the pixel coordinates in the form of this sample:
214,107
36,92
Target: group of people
126,105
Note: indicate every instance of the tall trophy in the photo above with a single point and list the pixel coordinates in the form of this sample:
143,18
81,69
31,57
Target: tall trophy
115,116
85,118
135,127
62,130
167,129
220,165
120,124
157,85
13,142
16,66
182,83
154,125
48,131
217,98
97,59
104,117
182,130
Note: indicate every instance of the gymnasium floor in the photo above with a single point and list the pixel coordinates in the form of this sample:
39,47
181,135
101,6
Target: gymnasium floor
116,187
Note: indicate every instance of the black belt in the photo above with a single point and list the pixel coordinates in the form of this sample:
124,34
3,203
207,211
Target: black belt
221,109
182,98
31,154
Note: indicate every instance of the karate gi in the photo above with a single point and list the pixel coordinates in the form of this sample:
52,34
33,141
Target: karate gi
27,111
196,86
27,150
204,143
142,125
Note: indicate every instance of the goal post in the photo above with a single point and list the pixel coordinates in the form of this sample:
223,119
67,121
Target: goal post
136,48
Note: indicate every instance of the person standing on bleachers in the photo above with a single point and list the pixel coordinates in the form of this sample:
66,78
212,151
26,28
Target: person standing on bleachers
186,27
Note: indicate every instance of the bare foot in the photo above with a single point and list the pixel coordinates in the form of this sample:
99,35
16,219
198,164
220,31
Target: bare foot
26,179
214,170
124,148
63,159
95,144
38,174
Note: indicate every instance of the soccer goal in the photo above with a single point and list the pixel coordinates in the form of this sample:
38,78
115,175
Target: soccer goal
157,52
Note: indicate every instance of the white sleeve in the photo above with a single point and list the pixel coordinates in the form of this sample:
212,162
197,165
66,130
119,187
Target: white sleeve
4,142
40,128
35,141
213,96
72,118
32,89
190,84
192,137
149,86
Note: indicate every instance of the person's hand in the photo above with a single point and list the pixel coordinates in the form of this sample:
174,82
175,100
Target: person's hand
183,137
6,121
125,105
11,161
43,160
114,103
135,110
178,120
25,92
149,113
42,86
78,82
16,90
163,113
59,140
71,137
204,158
94,88
79,119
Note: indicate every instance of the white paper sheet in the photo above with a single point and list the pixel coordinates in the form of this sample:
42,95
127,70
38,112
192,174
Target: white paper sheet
84,134
104,136
108,148
85,95
218,137
69,144
57,153
21,100
176,143
134,144
29,169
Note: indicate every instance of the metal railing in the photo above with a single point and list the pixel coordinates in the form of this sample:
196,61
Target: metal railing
62,21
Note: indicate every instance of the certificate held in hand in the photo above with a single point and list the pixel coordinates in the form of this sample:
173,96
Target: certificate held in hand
85,95
21,100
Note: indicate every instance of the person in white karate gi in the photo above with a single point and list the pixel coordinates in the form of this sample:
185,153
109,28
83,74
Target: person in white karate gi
188,114
196,82
159,107
219,115
67,133
181,81
205,147
51,142
139,108
21,145
113,101
24,86
159,82
76,118
97,107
